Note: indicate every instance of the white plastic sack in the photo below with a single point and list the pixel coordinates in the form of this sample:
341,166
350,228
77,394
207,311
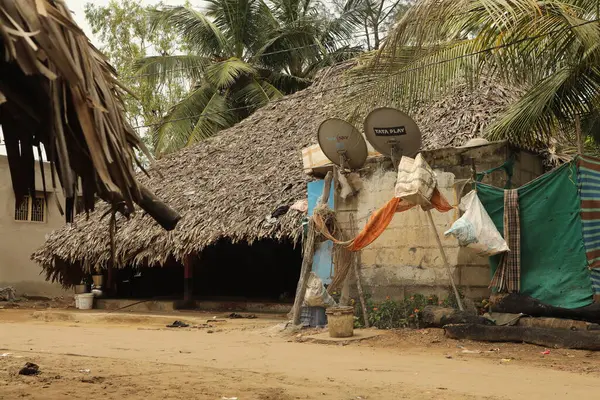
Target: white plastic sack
416,180
316,294
475,229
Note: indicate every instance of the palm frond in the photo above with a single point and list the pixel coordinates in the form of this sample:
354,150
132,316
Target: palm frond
225,73
549,47
258,93
200,114
195,28
548,106
162,68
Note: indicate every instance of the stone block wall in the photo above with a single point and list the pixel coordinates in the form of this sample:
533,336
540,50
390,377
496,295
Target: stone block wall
405,259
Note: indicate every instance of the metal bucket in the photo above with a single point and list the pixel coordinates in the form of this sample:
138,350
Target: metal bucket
98,280
79,289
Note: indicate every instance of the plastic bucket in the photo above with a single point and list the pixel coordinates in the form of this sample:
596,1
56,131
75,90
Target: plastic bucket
86,301
340,321
77,301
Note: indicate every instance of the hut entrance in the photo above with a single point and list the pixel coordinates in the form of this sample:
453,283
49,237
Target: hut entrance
266,270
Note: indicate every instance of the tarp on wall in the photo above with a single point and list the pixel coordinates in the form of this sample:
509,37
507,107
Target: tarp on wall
323,258
553,257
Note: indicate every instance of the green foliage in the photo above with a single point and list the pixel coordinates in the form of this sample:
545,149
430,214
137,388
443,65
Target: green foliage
392,314
124,30
547,48
406,313
245,53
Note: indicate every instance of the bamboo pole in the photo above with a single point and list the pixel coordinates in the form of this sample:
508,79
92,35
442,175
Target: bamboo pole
309,251
441,247
356,265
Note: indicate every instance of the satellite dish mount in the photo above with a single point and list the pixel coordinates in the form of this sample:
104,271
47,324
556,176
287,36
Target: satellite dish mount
342,144
393,133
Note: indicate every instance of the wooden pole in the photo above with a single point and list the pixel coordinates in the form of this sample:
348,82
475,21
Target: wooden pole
307,260
356,265
113,231
188,282
441,247
578,134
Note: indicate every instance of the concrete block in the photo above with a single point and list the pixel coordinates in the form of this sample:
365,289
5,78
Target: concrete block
469,257
476,293
368,257
475,275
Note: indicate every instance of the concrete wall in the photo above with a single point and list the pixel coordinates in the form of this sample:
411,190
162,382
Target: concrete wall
19,239
405,259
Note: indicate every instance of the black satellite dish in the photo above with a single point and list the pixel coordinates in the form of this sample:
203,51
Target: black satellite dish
342,143
392,133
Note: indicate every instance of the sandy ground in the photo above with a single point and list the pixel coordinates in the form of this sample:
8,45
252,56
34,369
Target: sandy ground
116,356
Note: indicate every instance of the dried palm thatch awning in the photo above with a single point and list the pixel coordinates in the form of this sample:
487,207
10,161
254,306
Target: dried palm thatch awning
233,184
58,91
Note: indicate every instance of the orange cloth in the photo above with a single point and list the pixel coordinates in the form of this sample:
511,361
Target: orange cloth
379,221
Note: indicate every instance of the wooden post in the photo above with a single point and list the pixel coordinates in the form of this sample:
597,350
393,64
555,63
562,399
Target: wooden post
309,251
439,242
111,264
473,175
188,281
356,265
578,134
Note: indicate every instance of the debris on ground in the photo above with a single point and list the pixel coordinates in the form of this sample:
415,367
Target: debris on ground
239,316
85,371
8,294
93,379
30,369
201,326
546,352
178,324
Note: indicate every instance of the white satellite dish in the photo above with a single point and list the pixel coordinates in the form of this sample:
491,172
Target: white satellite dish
342,143
392,133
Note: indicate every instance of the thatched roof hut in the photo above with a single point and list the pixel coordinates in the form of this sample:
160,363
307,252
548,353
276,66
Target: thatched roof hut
229,185
58,91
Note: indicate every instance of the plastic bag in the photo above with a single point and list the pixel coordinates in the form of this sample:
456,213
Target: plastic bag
475,229
416,181
316,294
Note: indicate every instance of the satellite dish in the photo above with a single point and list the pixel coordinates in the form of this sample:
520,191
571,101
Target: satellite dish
342,143
392,133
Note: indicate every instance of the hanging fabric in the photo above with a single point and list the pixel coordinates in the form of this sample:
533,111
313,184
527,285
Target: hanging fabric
589,192
379,220
507,278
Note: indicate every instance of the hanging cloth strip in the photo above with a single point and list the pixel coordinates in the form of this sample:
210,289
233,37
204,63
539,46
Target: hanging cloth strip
379,220
507,278
508,167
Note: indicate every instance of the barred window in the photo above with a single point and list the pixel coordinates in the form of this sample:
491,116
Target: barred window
33,210
22,210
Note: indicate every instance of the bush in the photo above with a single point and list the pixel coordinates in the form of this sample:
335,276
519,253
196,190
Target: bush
391,314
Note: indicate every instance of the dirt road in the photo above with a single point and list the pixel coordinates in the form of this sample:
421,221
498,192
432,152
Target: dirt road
248,360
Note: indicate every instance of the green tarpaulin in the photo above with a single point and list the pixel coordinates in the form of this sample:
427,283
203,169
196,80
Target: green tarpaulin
553,261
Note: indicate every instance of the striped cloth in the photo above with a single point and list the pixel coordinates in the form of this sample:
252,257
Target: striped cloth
507,278
589,192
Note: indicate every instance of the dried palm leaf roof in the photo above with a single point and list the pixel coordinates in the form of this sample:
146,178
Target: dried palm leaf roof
58,91
228,185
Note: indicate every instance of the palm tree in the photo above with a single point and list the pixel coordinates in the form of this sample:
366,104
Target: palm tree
242,55
549,49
